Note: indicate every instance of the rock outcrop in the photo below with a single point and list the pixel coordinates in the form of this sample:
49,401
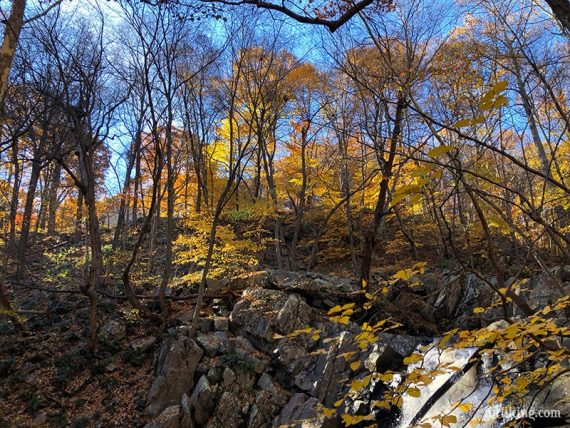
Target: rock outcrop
250,367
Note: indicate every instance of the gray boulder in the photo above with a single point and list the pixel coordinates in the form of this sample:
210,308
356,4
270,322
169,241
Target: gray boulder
300,411
213,343
202,401
169,418
114,330
177,362
313,284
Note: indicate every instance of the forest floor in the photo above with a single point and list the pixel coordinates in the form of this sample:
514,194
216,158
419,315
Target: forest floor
47,376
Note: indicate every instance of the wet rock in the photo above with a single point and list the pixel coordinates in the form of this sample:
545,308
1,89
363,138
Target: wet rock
402,345
202,401
177,363
555,396
213,343
456,299
169,418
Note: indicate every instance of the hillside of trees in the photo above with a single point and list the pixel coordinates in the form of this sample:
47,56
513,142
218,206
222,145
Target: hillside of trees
389,168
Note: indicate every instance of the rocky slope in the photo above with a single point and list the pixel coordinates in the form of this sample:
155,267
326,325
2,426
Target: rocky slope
250,367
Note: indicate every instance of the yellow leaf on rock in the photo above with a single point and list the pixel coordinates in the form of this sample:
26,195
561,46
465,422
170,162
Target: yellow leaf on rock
358,384
448,420
414,358
414,392
328,412
349,420
334,310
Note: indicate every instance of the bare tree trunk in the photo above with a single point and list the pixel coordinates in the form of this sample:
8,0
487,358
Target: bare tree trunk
170,196
96,266
27,217
546,169
369,243
12,28
42,215
345,184
136,189
123,207
154,228
14,201
300,212
53,202
78,218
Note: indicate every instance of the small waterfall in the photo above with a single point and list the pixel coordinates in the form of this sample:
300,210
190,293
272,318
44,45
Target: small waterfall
469,387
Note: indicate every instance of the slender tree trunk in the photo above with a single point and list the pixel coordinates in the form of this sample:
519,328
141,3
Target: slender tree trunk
559,211
15,199
12,28
302,196
78,218
123,206
154,229
369,242
27,217
53,201
170,196
95,271
345,184
42,215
